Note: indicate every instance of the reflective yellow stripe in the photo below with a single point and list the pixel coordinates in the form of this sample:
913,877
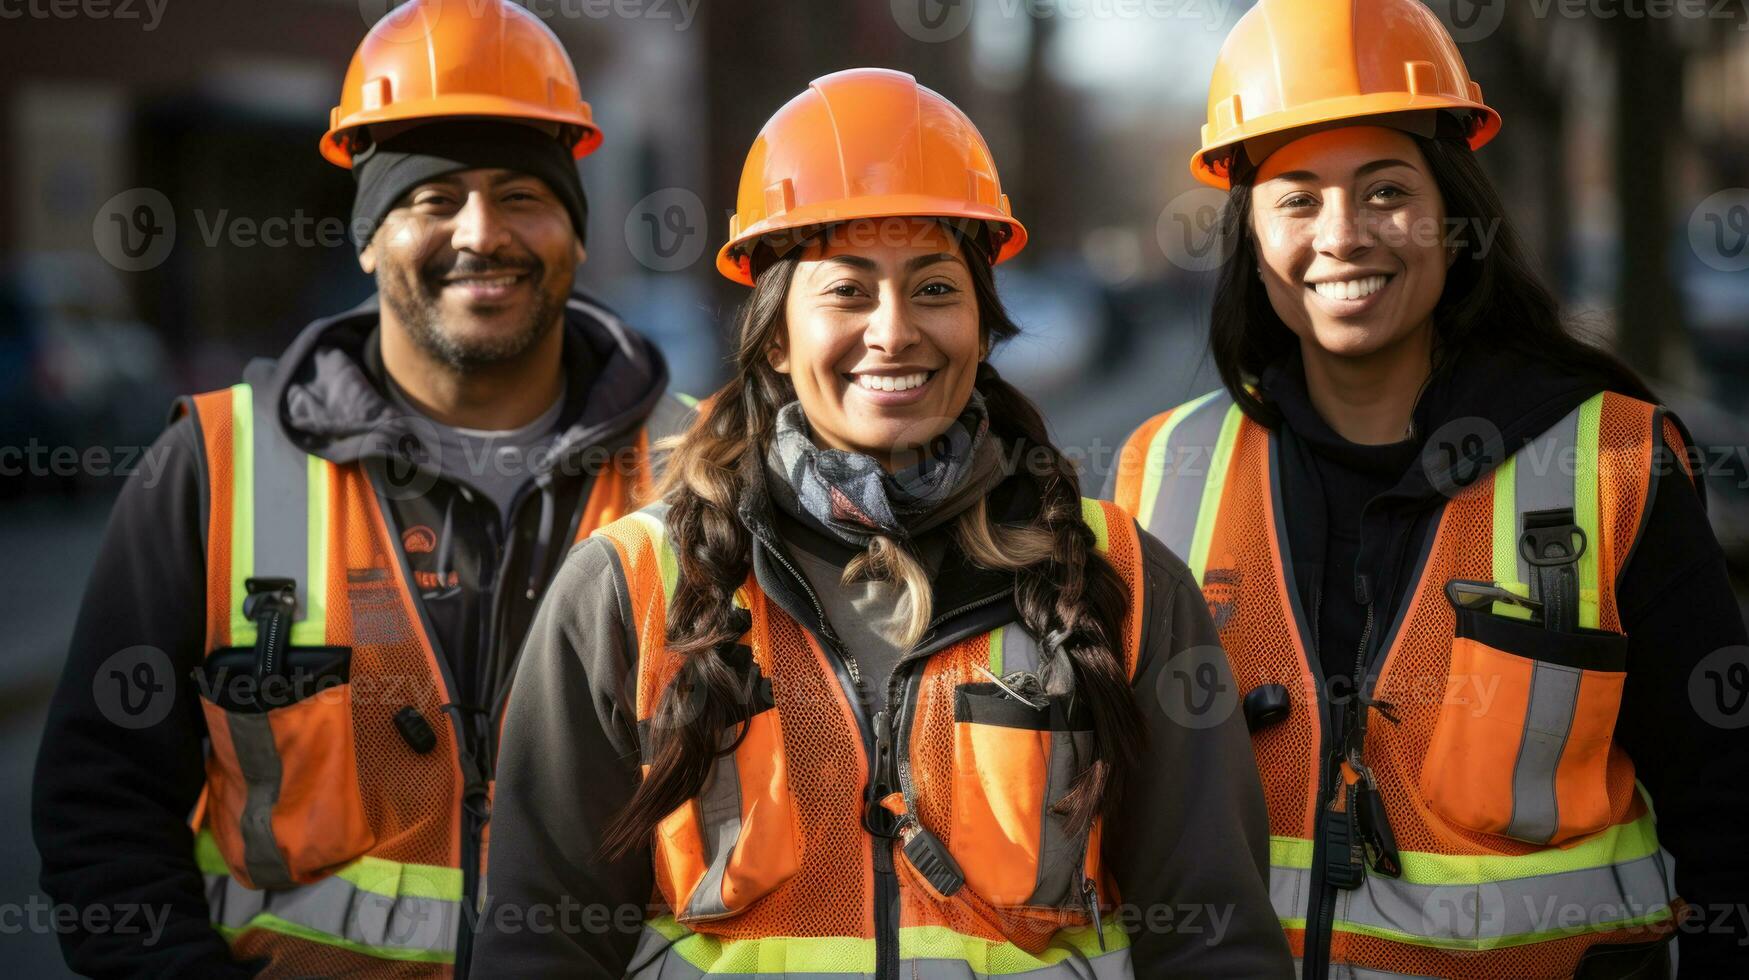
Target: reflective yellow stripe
996,650
312,630
1617,845
242,509
1585,513
1093,514
848,954
391,879
1210,505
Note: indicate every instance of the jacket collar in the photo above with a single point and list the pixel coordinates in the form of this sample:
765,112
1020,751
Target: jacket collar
329,390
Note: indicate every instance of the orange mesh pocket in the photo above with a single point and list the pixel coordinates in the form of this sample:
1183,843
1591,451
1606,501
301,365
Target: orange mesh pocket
1012,764
283,799
740,838
1521,748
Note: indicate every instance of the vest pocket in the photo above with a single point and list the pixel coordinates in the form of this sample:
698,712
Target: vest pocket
1012,764
1521,748
283,798
740,838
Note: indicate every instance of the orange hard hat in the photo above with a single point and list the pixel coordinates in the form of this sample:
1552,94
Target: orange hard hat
1293,64
865,143
432,59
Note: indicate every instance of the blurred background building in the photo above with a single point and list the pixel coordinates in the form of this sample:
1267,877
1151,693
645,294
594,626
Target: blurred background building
164,216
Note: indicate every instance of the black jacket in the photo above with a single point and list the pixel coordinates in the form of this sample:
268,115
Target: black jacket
112,801
1358,509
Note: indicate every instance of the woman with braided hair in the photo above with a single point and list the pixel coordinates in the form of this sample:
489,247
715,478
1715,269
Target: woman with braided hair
872,690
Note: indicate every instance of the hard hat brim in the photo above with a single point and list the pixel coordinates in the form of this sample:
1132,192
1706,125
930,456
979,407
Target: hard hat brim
732,258
1355,109
456,107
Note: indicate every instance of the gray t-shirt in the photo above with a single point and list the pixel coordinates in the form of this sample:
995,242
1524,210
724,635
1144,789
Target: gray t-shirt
493,462
866,615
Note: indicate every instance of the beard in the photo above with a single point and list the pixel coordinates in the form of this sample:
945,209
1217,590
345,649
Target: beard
415,295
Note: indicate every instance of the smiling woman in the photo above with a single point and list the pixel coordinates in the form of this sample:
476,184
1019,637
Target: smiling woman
1417,473
894,702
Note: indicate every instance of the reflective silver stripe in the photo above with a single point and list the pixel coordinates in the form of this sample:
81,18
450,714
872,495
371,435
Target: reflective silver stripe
1288,891
1554,696
1019,650
1058,883
1544,472
339,909
1474,916
1189,456
258,757
719,811
281,492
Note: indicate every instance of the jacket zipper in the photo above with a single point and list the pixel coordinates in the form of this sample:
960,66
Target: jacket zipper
886,884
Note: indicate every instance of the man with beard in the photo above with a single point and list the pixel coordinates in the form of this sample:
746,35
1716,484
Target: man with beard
276,727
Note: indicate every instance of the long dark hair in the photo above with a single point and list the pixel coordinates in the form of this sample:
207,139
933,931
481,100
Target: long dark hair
1063,587
1492,295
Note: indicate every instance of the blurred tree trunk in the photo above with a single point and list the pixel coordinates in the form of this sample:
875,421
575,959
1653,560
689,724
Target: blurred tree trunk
1648,112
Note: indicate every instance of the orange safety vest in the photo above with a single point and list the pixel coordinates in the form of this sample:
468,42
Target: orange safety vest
1523,838
770,871
330,844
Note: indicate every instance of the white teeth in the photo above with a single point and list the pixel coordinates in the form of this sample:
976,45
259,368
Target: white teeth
1351,289
884,382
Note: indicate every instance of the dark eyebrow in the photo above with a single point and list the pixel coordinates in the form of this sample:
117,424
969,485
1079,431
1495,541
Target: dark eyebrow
926,260
855,262
1362,171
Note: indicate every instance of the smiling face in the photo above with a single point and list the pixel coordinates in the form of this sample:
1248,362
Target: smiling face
475,265
882,339
1350,230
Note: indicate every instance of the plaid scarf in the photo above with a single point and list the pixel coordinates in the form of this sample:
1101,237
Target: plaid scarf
855,498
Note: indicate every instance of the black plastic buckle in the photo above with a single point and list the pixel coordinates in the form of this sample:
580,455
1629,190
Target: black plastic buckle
1552,545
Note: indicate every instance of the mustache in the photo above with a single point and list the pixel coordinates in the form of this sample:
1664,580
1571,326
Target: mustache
468,265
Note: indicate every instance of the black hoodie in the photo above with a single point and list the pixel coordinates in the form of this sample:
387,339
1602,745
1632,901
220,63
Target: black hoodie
1357,509
111,803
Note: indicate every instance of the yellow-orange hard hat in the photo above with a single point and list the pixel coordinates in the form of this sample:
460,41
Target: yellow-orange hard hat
1294,64
865,143
432,59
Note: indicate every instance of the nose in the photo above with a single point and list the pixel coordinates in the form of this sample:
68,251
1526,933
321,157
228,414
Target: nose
1343,231
478,227
889,329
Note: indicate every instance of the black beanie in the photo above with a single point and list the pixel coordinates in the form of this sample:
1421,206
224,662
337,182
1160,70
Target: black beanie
390,168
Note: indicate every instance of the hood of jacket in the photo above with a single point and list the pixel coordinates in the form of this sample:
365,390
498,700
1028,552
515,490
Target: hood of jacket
329,387
1477,408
